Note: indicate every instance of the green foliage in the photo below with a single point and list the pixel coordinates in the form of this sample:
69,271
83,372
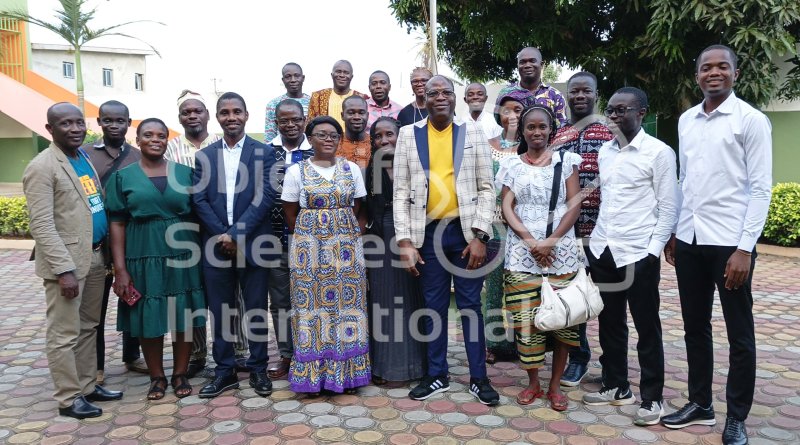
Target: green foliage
13,217
91,137
650,44
551,72
783,222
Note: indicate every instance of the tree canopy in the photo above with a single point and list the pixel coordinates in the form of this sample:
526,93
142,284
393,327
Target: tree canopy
650,44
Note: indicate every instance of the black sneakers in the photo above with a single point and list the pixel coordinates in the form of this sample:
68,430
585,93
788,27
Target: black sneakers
481,389
429,386
734,433
690,414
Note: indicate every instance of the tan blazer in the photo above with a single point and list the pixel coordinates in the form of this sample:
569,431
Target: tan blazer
472,161
60,218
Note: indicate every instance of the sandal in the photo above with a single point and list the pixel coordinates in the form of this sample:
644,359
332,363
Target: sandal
558,401
351,391
183,389
157,391
491,358
528,395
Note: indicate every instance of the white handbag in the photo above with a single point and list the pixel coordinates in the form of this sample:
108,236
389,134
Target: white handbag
575,304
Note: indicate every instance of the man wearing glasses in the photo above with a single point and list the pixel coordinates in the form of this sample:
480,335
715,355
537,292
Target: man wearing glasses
292,77
443,208
637,213
415,111
290,147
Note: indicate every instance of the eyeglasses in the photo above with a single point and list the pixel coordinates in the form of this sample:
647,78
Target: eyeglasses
326,136
619,111
419,81
434,94
296,121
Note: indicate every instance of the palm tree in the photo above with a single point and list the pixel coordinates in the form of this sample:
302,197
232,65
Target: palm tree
72,25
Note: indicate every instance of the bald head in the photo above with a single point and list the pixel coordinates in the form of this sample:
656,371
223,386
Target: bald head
67,127
56,111
341,75
529,65
475,97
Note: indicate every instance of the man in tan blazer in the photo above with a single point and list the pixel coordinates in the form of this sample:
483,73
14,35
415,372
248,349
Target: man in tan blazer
443,206
68,223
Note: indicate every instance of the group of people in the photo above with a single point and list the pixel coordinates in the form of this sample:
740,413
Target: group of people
358,218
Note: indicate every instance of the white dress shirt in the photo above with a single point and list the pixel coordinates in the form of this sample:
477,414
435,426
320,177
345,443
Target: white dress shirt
486,123
638,207
231,156
725,174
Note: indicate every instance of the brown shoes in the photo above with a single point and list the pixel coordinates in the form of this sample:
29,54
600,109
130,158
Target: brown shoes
281,369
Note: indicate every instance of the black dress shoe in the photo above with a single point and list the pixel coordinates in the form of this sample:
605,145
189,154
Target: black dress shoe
195,368
101,394
734,433
219,385
81,409
690,414
261,383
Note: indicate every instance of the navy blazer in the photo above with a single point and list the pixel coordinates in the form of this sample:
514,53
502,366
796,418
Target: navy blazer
251,204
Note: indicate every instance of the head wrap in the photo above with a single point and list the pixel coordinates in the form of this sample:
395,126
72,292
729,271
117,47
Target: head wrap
520,95
187,95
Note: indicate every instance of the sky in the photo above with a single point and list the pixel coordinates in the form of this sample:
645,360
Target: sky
244,44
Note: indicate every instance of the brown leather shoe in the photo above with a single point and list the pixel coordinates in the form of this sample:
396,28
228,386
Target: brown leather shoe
281,369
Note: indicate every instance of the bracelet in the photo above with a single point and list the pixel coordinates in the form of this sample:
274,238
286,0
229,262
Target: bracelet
744,252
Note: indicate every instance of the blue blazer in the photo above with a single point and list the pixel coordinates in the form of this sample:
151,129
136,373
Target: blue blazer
251,204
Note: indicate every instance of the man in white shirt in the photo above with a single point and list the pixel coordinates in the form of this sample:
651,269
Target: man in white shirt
639,208
726,182
475,97
232,197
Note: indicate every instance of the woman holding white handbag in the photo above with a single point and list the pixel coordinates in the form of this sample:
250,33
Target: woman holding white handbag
536,187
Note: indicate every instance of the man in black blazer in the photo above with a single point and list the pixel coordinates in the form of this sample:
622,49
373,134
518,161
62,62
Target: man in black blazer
232,198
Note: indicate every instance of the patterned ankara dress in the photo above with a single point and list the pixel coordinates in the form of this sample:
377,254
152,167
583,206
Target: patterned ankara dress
328,277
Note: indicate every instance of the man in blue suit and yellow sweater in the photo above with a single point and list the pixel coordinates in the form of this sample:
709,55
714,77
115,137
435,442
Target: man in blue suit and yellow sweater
443,207
232,198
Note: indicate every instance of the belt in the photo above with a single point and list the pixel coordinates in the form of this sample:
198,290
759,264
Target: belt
445,221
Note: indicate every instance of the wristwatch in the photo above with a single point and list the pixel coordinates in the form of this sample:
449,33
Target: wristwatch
482,236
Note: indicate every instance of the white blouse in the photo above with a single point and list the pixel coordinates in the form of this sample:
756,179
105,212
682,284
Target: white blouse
532,186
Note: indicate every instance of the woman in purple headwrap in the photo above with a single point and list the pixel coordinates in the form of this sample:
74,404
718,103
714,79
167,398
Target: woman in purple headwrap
499,344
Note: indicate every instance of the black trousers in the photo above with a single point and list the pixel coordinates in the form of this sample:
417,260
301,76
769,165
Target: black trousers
699,269
130,345
634,286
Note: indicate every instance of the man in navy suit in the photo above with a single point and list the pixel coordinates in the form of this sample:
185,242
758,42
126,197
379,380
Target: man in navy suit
232,198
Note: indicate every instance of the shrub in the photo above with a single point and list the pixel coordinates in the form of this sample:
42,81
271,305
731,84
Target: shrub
13,217
783,221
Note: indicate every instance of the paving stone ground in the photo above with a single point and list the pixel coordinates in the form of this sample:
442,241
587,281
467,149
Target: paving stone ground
386,415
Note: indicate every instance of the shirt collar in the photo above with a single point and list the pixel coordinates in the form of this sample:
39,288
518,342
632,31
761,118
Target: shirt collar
726,107
278,142
371,102
101,144
636,143
236,146
210,139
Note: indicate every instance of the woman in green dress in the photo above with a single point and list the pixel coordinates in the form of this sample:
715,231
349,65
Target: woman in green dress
151,216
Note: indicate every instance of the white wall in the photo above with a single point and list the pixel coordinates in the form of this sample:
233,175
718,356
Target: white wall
48,63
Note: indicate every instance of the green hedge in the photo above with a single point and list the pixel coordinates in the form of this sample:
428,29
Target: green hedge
783,222
13,217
